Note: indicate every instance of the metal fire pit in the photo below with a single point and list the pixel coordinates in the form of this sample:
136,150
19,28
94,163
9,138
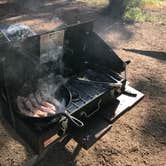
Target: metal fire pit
80,52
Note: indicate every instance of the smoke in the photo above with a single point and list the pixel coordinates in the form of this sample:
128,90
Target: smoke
115,32
49,85
34,63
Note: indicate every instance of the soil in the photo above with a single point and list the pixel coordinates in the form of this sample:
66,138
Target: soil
139,136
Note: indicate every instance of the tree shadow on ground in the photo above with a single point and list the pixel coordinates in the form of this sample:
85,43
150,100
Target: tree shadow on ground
59,155
153,54
9,9
155,118
68,12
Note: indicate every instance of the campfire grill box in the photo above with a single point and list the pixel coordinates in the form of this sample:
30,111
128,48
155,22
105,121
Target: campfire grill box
83,52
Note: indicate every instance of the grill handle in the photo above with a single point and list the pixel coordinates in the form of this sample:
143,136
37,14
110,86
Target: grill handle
76,121
92,113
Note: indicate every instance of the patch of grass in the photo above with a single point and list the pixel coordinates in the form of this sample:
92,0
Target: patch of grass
137,10
95,3
134,13
158,19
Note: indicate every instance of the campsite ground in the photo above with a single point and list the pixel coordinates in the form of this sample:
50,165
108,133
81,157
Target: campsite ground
139,136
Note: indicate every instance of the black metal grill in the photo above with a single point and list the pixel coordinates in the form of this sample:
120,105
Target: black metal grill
87,93
90,57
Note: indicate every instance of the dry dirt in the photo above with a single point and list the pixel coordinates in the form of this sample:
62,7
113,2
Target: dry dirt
138,138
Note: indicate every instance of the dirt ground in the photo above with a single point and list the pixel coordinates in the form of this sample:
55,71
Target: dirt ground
138,138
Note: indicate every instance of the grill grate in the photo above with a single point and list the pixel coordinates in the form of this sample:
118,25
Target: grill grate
86,91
